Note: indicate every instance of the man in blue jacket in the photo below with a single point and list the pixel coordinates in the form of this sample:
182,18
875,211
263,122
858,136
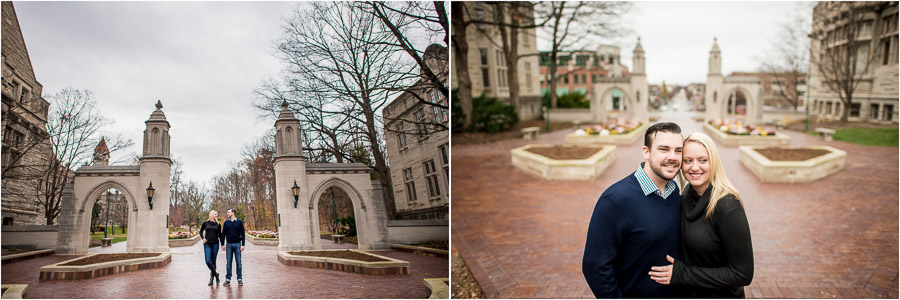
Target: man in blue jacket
636,222
233,244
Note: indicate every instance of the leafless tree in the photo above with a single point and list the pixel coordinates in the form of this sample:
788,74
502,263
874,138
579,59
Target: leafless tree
578,25
459,37
843,57
347,58
195,199
75,127
259,163
787,61
24,153
176,186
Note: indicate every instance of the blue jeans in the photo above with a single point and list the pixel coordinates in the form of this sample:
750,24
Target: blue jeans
211,251
233,250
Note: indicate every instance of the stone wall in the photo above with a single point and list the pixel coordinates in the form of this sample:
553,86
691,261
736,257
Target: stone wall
30,236
416,231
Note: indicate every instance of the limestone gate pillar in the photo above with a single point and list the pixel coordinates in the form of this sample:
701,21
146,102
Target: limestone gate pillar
294,220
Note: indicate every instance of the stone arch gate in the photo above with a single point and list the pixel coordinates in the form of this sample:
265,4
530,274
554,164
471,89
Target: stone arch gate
719,88
147,230
298,222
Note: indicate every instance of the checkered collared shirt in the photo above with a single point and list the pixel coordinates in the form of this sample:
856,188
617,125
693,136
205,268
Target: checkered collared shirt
649,187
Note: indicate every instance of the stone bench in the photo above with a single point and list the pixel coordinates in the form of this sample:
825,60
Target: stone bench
826,132
338,238
530,132
106,242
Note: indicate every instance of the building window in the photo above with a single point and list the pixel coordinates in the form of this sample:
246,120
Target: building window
888,113
593,77
401,136
431,177
854,109
410,185
7,221
862,58
484,56
485,77
566,79
575,77
421,129
584,78
446,163
528,84
865,30
479,15
885,51
873,111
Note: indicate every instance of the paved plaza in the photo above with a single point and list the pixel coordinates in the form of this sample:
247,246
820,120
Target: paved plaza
523,236
264,277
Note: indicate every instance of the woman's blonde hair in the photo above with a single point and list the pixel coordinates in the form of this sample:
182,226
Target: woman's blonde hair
718,180
211,216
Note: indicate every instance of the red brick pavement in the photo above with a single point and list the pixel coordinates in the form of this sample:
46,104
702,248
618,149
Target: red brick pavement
523,237
264,277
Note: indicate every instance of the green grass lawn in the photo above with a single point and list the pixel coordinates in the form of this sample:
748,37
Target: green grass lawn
867,136
118,235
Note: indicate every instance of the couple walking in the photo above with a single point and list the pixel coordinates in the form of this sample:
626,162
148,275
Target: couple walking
230,235
647,240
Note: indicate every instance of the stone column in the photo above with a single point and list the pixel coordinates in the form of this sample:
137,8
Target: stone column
294,228
147,230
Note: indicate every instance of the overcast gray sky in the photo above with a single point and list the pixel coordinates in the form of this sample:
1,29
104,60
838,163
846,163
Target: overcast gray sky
677,36
203,60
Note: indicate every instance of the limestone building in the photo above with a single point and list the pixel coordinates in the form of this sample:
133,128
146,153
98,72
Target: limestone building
487,67
417,142
873,32
26,146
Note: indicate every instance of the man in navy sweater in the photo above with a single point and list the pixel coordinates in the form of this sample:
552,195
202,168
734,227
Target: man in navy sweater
233,244
636,222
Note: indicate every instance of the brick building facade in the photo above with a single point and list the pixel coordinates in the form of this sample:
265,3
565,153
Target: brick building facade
579,71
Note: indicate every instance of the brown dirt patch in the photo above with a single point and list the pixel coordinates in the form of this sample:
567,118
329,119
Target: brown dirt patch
791,154
463,138
463,285
344,254
560,152
107,257
10,251
440,245
3,290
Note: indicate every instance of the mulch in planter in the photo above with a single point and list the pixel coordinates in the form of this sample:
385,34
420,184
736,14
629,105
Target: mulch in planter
346,254
440,245
107,257
464,285
560,152
791,154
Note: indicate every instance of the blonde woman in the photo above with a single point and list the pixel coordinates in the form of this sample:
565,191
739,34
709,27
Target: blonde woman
716,253
211,232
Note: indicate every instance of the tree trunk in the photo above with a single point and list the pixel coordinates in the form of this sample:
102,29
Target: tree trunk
554,53
463,79
384,174
511,49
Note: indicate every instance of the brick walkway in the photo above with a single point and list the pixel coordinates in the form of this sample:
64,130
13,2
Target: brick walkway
523,237
264,277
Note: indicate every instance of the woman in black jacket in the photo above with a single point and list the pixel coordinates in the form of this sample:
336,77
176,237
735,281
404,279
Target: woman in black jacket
716,252
211,232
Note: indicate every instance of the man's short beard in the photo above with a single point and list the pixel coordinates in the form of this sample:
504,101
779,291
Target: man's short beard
658,170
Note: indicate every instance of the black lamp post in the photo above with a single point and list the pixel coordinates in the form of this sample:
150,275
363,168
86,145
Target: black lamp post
150,195
296,191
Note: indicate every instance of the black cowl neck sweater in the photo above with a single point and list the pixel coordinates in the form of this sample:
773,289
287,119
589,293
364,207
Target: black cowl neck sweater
716,253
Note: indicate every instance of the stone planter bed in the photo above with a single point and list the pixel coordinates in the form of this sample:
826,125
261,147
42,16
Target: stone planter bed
426,250
14,291
616,139
20,256
346,261
792,165
438,288
731,140
97,265
262,241
184,242
564,162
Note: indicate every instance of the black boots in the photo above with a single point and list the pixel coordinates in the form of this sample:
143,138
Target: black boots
210,280
217,278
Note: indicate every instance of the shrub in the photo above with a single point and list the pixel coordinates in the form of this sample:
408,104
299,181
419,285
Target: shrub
350,222
457,117
491,115
574,99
